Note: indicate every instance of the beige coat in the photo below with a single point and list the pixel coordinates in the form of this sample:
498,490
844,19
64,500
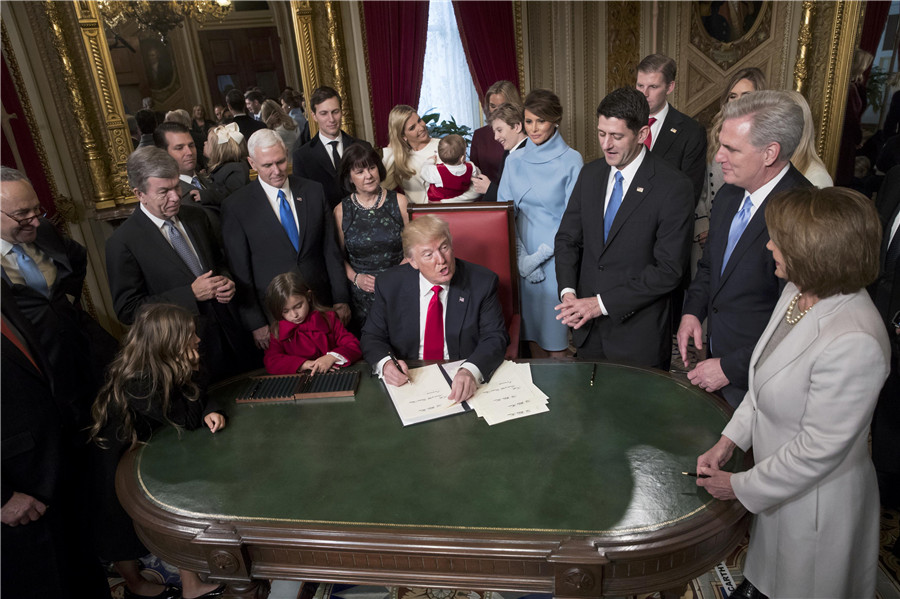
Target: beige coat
813,487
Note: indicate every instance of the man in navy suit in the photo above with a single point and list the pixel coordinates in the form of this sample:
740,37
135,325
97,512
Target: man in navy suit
674,136
622,242
278,224
167,252
735,288
319,159
436,307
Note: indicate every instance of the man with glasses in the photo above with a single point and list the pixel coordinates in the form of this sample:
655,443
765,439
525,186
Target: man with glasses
45,273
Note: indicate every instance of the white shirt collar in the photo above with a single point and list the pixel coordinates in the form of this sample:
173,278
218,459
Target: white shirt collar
5,247
425,286
272,192
757,197
661,115
187,179
326,140
155,219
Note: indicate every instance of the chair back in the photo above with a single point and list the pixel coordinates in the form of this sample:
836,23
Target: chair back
484,233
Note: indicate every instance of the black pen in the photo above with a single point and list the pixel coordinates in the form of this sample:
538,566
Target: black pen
695,475
397,366
593,374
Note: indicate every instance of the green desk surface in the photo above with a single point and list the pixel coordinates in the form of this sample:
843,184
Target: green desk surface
605,460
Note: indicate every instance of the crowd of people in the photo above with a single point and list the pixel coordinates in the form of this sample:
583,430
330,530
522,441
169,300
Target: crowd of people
731,240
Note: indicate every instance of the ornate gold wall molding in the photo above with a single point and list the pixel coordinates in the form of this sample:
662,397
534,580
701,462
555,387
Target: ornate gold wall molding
323,58
801,68
74,36
834,36
623,43
520,44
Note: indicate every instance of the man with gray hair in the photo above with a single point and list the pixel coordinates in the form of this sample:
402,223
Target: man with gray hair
735,287
277,224
167,251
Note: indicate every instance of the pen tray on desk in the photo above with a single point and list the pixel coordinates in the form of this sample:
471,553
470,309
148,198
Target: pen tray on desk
290,387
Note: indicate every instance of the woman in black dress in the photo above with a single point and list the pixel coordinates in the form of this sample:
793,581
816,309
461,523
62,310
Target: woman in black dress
152,382
369,222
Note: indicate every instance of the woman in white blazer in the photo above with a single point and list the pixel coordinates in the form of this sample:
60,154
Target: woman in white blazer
815,375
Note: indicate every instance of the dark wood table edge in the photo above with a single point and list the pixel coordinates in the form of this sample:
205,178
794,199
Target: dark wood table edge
568,565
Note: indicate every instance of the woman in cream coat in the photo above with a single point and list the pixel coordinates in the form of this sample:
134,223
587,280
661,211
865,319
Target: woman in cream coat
411,147
815,375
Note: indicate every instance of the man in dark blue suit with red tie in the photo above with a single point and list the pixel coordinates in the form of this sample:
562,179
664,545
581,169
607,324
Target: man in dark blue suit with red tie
735,288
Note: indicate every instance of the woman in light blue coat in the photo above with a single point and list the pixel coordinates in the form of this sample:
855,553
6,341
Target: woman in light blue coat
539,180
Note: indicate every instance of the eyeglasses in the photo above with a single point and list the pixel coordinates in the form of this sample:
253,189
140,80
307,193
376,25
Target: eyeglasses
24,221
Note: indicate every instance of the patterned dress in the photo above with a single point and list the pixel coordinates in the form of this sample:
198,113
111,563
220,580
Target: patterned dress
372,240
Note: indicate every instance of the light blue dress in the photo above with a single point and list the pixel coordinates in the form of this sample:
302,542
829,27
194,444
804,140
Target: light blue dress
539,180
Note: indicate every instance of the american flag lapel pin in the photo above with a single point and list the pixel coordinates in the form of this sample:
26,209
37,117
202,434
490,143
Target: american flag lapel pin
462,299
639,189
673,130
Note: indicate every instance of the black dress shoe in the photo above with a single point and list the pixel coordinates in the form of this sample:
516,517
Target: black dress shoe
746,590
216,592
170,592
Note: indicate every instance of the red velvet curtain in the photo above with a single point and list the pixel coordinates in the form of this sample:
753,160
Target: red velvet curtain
488,35
873,24
395,40
19,150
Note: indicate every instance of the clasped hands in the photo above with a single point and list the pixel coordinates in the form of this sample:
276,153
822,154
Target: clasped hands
462,388
208,286
575,312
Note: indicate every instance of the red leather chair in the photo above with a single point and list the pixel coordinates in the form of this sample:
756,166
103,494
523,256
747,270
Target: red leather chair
484,233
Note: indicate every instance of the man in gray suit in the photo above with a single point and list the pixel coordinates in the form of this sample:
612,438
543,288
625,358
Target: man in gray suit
735,287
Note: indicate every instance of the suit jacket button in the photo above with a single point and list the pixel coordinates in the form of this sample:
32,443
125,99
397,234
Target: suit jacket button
600,267
715,310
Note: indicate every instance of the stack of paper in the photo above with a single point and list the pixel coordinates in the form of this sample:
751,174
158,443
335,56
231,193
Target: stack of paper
510,394
425,398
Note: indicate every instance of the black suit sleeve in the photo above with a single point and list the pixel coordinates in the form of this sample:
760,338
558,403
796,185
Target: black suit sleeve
128,286
375,339
569,241
693,163
334,258
492,335
237,251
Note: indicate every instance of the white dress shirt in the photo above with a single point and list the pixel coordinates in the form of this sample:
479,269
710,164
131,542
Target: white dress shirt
656,127
160,224
326,141
275,203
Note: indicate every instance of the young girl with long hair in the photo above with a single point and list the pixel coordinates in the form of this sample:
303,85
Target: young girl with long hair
152,382
305,335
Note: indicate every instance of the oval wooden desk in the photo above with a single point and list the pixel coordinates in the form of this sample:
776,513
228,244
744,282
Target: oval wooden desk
586,500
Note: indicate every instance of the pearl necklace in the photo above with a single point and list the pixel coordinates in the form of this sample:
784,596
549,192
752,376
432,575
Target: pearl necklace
378,199
788,318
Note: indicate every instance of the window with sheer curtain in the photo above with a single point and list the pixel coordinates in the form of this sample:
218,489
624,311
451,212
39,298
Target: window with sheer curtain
447,86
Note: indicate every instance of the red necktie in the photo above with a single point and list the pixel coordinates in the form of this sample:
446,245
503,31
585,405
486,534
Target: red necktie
433,348
649,139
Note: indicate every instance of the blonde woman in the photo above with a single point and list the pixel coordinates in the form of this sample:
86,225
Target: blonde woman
409,148
805,158
227,153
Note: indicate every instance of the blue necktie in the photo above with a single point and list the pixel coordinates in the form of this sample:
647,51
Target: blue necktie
615,200
195,181
32,274
738,224
287,221
182,249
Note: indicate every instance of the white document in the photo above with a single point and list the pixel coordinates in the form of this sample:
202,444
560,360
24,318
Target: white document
425,398
510,394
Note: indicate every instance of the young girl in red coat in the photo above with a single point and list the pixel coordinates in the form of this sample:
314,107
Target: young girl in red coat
305,336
